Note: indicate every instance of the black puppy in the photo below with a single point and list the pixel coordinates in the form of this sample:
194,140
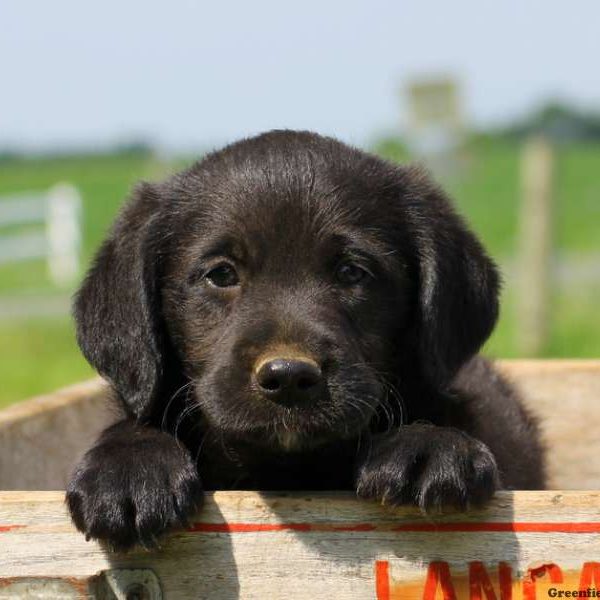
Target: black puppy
293,313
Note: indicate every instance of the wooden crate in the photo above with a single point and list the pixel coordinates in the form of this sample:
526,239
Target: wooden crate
248,545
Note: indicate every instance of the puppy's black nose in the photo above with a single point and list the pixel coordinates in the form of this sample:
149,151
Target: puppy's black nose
288,378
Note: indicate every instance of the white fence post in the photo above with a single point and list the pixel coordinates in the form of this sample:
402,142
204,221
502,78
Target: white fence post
59,243
62,231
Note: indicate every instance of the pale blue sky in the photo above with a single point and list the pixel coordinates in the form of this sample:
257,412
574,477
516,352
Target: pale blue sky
188,74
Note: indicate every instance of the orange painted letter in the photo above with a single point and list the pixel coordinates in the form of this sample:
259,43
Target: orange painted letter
382,579
551,569
590,576
439,573
479,581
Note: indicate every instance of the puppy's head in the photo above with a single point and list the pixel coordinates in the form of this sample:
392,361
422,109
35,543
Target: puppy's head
292,281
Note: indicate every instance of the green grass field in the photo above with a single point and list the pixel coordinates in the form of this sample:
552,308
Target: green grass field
39,355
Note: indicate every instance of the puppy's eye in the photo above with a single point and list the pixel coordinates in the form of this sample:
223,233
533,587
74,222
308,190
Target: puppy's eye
348,273
223,275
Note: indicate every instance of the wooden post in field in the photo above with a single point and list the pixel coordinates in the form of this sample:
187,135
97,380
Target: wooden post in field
436,122
535,245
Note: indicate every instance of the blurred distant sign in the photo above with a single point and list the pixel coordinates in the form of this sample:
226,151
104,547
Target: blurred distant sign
58,211
435,118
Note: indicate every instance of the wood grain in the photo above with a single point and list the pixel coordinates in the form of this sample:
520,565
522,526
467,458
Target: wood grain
41,439
251,545
565,397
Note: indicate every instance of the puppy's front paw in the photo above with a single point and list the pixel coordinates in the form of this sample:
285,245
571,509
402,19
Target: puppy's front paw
432,467
135,484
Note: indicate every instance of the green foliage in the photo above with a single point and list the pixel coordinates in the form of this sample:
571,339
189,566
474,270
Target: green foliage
392,148
37,356
558,121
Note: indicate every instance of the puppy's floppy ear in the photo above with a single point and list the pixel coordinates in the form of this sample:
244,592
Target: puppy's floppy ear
458,283
117,309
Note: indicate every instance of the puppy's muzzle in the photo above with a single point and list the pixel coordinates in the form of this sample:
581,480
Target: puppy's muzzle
289,380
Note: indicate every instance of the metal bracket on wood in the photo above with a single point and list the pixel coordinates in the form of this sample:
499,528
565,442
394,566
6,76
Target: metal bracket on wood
126,584
113,584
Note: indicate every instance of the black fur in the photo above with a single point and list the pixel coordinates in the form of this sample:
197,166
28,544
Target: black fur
360,267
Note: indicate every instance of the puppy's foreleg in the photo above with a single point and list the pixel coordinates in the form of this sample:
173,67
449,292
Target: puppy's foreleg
135,483
429,466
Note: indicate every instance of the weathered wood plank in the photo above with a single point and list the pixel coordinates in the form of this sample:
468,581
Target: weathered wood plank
251,545
565,397
42,438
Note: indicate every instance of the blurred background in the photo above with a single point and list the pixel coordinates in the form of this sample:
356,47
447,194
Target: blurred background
500,100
